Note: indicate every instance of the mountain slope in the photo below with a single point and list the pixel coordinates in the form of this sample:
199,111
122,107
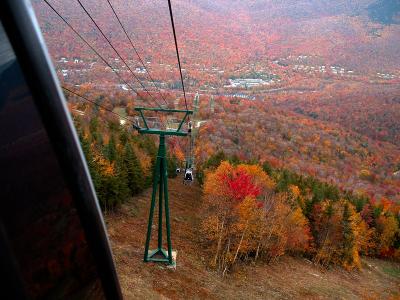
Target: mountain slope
286,278
325,150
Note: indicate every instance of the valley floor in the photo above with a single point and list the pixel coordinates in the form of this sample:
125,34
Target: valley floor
288,278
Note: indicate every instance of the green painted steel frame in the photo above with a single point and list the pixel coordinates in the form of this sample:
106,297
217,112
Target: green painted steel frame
176,132
160,183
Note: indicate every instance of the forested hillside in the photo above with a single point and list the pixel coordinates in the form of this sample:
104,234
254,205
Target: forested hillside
372,111
297,150
215,37
257,212
268,190
325,150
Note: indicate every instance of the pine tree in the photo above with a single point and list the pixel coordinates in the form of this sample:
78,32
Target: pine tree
123,137
111,149
94,131
87,151
172,163
135,177
113,188
148,145
122,176
349,244
267,168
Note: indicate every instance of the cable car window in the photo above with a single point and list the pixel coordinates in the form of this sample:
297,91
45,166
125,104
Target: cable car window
38,217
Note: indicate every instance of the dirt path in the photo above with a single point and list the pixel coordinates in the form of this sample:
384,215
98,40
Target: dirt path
289,278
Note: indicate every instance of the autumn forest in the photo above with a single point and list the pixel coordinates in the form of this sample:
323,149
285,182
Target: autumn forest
297,148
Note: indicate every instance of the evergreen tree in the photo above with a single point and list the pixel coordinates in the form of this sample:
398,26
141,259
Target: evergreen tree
87,151
283,181
94,131
212,163
349,246
134,171
318,193
123,137
267,168
122,176
148,145
172,163
215,160
114,126
234,160
113,188
111,149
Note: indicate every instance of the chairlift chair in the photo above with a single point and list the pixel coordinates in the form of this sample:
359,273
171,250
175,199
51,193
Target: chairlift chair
137,121
189,126
153,122
172,124
188,178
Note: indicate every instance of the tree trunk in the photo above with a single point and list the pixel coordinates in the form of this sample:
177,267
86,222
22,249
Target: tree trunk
225,264
219,243
240,243
258,250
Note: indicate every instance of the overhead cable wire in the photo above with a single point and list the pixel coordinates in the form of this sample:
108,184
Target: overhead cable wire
90,46
116,51
134,48
100,106
177,51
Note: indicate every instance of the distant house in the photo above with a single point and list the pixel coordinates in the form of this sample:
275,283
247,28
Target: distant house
124,87
247,82
63,60
140,70
199,123
77,60
78,112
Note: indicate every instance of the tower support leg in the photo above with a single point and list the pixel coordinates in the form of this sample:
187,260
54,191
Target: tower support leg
160,183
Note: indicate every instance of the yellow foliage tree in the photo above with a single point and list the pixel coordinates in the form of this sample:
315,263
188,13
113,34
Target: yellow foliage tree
243,217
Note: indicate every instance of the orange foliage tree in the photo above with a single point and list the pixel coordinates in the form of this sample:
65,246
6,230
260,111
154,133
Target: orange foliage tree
245,219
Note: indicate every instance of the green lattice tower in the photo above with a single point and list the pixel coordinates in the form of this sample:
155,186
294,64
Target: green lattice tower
160,184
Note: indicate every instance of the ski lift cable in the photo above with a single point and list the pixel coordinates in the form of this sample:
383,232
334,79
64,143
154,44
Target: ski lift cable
177,51
90,46
100,106
137,53
116,51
